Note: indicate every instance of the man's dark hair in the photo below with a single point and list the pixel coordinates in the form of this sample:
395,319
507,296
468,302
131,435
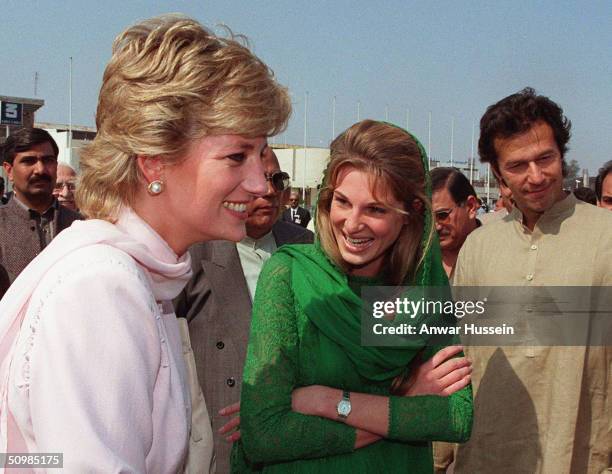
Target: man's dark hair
603,173
24,139
586,195
455,181
516,114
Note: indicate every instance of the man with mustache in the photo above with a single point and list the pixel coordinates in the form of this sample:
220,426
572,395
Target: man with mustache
217,302
33,217
454,203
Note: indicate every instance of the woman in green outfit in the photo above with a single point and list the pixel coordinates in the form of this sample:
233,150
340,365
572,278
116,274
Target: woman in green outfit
314,399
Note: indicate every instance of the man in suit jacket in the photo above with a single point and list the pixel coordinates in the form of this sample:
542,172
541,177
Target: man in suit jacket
295,213
217,301
30,220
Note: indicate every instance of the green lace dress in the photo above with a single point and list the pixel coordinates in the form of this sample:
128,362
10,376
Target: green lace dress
286,350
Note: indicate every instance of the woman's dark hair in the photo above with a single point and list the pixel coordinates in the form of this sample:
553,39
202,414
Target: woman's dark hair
516,114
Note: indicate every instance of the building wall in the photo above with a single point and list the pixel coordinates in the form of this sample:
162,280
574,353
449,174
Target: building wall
305,166
64,156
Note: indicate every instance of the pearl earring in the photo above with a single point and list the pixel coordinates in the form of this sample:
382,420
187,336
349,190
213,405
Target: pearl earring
155,187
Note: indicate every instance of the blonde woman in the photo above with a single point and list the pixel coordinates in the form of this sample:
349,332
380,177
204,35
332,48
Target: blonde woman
92,363
313,398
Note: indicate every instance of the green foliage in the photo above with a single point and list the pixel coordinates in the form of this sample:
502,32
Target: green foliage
573,170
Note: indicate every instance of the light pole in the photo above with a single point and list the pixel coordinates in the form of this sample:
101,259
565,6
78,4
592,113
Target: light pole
70,113
305,137
333,118
452,139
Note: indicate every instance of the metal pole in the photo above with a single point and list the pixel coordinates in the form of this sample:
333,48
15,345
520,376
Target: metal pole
358,110
452,139
305,136
334,118
70,115
472,156
386,113
408,119
429,139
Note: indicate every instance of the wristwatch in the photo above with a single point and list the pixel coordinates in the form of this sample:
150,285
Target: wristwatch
344,405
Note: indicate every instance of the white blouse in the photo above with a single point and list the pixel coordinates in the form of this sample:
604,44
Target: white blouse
98,373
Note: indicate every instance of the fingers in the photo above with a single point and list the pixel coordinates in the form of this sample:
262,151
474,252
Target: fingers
230,425
455,376
230,410
445,354
235,436
457,385
449,366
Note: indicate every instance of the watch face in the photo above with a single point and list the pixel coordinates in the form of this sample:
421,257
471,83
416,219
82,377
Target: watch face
344,408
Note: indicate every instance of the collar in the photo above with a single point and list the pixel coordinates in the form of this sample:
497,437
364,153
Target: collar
262,242
49,212
559,209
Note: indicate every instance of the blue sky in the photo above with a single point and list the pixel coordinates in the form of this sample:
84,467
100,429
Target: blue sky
451,58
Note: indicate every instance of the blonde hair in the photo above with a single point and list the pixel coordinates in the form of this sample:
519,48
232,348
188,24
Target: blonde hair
393,160
171,81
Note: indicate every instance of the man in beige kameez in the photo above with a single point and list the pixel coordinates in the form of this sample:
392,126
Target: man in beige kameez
537,409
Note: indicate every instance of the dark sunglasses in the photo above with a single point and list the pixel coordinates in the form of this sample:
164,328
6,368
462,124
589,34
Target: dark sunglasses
280,180
442,215
59,185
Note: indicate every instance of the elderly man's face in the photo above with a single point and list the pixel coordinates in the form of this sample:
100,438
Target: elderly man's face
64,186
264,210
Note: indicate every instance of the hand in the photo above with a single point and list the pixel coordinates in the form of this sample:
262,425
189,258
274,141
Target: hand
441,375
233,424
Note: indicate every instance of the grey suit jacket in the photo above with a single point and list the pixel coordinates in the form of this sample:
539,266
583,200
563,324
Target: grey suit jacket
217,305
19,239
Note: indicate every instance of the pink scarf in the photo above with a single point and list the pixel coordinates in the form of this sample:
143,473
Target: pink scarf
131,234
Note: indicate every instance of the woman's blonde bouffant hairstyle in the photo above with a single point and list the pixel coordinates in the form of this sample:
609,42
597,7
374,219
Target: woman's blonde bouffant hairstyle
392,159
171,81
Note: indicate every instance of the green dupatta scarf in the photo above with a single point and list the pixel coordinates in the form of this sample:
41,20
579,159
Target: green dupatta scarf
323,293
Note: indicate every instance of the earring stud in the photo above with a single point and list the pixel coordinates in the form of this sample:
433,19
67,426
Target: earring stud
155,187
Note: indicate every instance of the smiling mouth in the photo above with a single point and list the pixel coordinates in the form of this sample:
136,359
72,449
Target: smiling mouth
357,245
235,206
539,192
